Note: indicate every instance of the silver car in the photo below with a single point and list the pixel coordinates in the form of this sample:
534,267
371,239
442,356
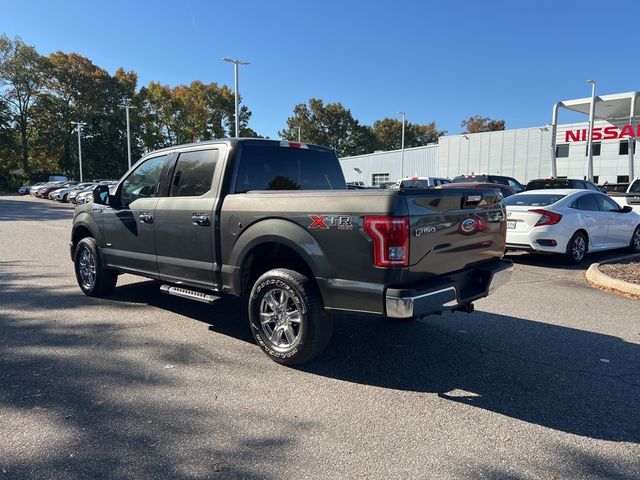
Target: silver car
62,194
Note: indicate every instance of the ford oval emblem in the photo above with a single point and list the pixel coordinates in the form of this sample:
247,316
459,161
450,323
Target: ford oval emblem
469,225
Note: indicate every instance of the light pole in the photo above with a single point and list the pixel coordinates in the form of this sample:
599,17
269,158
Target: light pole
126,107
404,116
79,126
592,114
235,77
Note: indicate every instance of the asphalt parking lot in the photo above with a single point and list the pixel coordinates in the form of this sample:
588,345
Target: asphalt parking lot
542,382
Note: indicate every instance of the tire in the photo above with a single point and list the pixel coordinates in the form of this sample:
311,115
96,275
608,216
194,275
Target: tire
94,280
634,244
65,198
295,327
577,248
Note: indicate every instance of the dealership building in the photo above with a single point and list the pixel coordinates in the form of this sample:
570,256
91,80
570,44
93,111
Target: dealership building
553,150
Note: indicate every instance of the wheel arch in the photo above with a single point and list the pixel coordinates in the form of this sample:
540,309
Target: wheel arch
274,243
84,226
585,233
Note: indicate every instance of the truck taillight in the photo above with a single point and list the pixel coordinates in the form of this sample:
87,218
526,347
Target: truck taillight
390,237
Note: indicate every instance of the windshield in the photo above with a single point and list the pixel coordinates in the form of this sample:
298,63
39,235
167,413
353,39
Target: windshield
266,167
533,199
635,186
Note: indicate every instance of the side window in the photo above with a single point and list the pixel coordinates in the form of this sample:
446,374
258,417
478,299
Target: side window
579,184
193,173
587,203
499,180
591,186
143,181
515,185
606,204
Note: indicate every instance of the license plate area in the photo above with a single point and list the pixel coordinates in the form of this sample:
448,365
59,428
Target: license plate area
511,224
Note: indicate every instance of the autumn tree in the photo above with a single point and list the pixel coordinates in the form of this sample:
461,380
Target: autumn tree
328,124
21,79
478,124
388,133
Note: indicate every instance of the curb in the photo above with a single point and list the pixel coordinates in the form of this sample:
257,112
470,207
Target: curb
600,280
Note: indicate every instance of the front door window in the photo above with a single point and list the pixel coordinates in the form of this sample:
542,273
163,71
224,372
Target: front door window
143,182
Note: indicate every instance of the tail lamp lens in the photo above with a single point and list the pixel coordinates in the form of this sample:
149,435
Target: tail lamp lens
390,237
547,218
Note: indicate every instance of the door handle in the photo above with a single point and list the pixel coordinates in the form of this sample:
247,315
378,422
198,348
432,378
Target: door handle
201,219
145,217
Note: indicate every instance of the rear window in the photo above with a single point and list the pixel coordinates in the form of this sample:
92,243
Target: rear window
552,183
533,200
635,187
477,178
265,167
414,184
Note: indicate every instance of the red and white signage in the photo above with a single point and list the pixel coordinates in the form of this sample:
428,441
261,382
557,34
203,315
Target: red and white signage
602,133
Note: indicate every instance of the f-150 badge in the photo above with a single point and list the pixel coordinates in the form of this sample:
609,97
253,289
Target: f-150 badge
422,230
324,222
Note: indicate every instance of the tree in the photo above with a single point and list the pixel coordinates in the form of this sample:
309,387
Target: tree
478,124
388,132
332,125
79,90
189,113
21,79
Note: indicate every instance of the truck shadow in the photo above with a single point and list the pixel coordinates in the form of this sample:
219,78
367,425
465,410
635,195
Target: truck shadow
570,380
539,373
536,372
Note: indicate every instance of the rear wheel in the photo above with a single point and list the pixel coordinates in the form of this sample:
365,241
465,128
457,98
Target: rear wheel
92,277
576,248
287,317
635,240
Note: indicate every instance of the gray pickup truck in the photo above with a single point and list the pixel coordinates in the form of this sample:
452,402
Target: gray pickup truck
273,220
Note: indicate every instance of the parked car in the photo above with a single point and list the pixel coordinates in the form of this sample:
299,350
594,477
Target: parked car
560,183
24,190
73,194
569,222
613,189
47,189
420,182
631,197
59,187
505,190
86,195
62,194
501,179
36,188
198,218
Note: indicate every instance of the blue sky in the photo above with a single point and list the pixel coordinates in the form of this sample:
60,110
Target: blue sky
442,61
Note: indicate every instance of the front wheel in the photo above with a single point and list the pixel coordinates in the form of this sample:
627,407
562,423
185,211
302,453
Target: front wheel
576,248
92,277
287,317
635,240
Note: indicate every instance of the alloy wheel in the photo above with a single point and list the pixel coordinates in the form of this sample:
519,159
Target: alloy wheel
87,268
280,318
635,241
578,248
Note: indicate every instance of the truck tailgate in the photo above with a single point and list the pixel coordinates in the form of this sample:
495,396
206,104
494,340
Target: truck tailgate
451,229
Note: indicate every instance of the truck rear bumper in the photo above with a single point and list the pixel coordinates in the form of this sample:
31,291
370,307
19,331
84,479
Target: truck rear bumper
454,291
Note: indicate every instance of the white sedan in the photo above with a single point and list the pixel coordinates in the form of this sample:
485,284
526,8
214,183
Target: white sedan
569,222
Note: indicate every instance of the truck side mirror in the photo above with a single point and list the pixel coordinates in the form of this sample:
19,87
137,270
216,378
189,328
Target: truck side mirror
626,209
101,195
